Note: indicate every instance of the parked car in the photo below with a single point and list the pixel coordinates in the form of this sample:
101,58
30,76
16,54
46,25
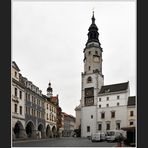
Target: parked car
103,136
114,135
98,137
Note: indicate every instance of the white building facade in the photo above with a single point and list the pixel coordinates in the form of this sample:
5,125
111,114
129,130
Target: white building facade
17,103
92,81
112,106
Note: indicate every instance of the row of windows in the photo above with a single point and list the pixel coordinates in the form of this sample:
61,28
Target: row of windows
107,105
34,100
33,112
103,115
113,114
16,93
51,117
118,124
107,98
51,108
16,109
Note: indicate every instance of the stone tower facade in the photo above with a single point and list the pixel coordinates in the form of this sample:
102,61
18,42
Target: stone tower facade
92,80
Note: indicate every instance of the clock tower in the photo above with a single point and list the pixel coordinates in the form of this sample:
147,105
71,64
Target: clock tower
92,80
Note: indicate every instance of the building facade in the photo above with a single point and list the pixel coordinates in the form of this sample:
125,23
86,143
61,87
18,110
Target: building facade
102,107
131,111
35,111
69,125
78,116
50,114
34,115
112,106
17,103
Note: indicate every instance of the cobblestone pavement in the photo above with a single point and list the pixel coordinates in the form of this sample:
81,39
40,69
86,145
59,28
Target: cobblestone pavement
62,142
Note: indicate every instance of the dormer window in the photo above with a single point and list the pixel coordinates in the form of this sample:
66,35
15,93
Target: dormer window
107,90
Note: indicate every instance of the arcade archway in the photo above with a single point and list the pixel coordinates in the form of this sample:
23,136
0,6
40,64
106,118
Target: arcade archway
30,129
41,130
18,129
48,132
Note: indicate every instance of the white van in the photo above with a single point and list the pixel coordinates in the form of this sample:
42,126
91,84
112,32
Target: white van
111,135
97,137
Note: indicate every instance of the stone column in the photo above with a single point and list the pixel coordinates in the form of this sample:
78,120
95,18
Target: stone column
43,134
13,135
22,134
34,134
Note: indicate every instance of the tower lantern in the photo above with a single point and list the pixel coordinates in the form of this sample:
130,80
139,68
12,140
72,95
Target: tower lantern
49,90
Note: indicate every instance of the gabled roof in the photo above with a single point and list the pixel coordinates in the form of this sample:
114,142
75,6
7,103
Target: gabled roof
131,101
114,88
14,65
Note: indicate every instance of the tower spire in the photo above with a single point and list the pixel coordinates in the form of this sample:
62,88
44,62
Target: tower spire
93,32
93,18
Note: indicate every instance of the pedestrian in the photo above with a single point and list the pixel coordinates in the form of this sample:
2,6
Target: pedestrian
120,140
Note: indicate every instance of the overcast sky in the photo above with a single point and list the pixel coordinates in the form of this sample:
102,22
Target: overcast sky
48,39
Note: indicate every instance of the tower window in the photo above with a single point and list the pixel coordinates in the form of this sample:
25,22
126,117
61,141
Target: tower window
113,114
88,128
89,68
118,104
131,113
107,105
102,115
89,80
118,97
107,98
91,116
99,106
89,52
96,52
100,99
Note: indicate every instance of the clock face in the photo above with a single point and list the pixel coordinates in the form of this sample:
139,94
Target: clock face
89,101
96,59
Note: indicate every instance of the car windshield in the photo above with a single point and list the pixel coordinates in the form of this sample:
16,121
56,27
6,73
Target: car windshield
110,133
